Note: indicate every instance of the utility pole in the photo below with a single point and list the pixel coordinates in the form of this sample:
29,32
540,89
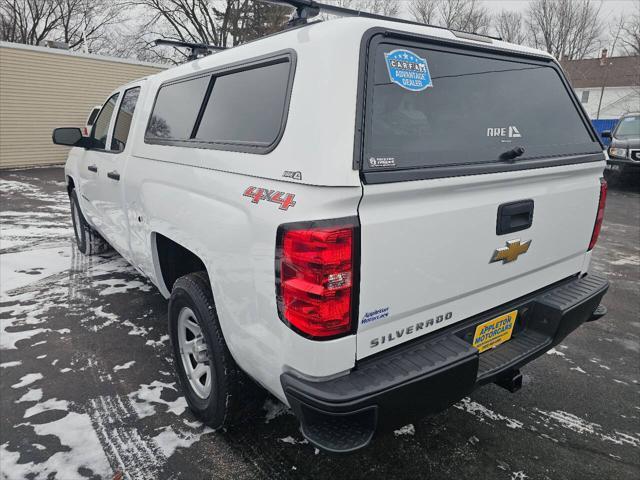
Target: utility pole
604,62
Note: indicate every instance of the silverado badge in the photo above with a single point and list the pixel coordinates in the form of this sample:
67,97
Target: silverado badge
511,252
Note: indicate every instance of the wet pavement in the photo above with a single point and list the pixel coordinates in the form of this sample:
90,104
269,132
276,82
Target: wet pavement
87,384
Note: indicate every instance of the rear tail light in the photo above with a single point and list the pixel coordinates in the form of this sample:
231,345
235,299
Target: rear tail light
316,277
600,214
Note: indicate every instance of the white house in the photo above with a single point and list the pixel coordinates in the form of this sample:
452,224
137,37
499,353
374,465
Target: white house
607,86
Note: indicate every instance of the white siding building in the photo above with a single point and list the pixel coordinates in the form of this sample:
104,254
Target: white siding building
43,88
608,87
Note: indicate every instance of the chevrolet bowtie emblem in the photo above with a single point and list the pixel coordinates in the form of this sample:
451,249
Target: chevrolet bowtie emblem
511,252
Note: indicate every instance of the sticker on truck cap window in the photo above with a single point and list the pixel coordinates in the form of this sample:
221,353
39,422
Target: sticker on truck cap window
408,70
504,133
382,162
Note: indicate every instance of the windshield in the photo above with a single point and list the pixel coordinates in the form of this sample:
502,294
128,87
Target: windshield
435,108
628,127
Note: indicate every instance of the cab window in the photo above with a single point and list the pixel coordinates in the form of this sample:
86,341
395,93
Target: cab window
123,120
101,127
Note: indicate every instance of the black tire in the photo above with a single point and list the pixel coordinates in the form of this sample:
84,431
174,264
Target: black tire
89,241
219,408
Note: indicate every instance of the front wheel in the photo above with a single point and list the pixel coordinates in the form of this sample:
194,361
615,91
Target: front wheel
88,240
206,370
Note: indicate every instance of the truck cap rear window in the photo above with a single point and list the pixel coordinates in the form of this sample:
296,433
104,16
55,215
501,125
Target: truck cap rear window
461,108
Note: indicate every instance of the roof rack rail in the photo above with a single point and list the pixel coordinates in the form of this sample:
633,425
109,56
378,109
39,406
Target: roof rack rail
196,49
307,9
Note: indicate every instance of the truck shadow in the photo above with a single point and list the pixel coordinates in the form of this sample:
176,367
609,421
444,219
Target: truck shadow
624,182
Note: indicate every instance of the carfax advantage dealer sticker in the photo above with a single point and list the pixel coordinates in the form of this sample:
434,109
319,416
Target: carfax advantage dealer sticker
408,70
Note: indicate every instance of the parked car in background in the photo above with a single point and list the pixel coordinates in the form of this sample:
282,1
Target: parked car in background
319,226
624,149
86,130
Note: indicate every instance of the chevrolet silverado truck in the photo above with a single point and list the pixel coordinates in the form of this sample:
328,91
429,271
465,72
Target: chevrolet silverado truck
367,217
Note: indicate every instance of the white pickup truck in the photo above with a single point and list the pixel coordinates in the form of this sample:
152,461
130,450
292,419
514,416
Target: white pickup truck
368,218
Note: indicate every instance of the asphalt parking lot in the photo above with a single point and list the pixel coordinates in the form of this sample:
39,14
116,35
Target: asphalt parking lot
88,387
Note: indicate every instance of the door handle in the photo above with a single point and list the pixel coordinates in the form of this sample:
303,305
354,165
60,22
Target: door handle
113,175
515,216
92,168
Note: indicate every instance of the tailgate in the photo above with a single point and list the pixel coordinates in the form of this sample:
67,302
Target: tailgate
480,184
427,247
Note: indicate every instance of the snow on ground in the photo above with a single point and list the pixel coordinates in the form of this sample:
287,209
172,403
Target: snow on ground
50,404
33,395
483,413
148,396
15,363
38,267
28,266
82,452
84,343
28,379
168,440
124,366
579,425
406,430
47,221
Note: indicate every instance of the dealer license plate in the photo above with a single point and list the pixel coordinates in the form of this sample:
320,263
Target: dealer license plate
494,332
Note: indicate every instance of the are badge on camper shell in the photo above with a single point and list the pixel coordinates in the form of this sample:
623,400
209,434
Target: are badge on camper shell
408,70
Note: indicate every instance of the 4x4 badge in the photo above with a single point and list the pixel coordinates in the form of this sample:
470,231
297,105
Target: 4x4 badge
511,252
284,199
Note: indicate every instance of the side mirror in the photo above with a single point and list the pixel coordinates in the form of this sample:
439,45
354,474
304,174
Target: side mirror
69,136
606,134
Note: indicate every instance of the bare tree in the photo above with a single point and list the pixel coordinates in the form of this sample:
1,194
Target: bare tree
257,19
389,8
28,21
195,21
630,34
616,29
463,15
568,29
70,21
82,20
223,22
510,26
424,11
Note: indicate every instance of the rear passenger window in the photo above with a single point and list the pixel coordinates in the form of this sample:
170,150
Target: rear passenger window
123,121
246,107
239,109
101,127
176,109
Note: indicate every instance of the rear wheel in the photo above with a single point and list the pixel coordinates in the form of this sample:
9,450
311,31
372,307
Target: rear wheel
88,240
206,370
